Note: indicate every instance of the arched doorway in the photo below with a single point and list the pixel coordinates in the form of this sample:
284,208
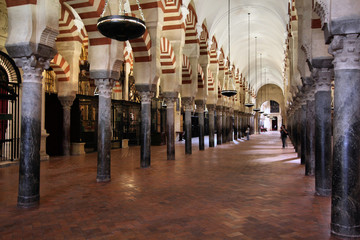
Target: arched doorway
10,80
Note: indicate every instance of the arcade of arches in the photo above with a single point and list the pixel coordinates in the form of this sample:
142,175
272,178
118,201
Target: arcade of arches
296,61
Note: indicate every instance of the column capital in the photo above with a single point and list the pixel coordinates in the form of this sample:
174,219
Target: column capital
146,96
67,101
187,102
200,106
211,107
32,67
323,79
104,86
219,110
346,51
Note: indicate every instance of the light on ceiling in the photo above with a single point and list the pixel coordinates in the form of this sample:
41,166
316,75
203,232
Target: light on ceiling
121,27
229,90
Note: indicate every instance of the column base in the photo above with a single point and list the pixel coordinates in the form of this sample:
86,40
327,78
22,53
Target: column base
28,202
344,231
322,192
77,148
43,155
103,178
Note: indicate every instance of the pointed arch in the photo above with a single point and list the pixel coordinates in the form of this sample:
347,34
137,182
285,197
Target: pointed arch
61,68
167,56
186,71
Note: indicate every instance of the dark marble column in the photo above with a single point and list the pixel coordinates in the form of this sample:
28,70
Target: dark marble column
211,110
170,131
345,205
104,129
303,130
240,125
200,107
310,130
224,124
29,166
229,125
236,121
187,102
66,102
145,137
323,163
298,125
219,124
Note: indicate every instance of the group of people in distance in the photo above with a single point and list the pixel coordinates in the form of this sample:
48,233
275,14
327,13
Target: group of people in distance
283,134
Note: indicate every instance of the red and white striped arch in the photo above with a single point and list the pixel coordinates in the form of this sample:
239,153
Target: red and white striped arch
173,15
200,77
186,71
221,60
128,57
141,48
211,82
68,31
61,68
213,51
167,56
90,11
203,41
190,26
117,89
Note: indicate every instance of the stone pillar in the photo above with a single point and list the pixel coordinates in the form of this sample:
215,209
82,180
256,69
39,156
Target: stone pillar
224,124
200,107
230,125
345,205
187,103
211,109
170,131
219,124
236,126
303,130
104,129
66,102
145,137
29,167
323,163
43,155
310,133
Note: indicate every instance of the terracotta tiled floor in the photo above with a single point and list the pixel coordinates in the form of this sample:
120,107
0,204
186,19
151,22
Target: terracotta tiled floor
241,190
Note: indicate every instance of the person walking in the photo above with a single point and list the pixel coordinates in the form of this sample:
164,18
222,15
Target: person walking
247,132
284,134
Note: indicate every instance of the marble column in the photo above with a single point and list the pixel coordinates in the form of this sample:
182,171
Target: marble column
43,155
104,129
323,163
170,99
211,110
345,204
200,107
224,124
298,131
219,117
187,102
29,166
310,132
66,102
236,126
145,137
231,125
303,130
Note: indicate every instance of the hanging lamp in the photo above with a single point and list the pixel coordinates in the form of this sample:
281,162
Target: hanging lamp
249,103
261,77
257,109
231,90
121,27
265,114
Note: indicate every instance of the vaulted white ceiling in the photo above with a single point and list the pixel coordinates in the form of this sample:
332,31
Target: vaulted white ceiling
268,21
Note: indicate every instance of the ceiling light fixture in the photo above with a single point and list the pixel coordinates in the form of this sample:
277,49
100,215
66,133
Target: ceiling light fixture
230,90
121,27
